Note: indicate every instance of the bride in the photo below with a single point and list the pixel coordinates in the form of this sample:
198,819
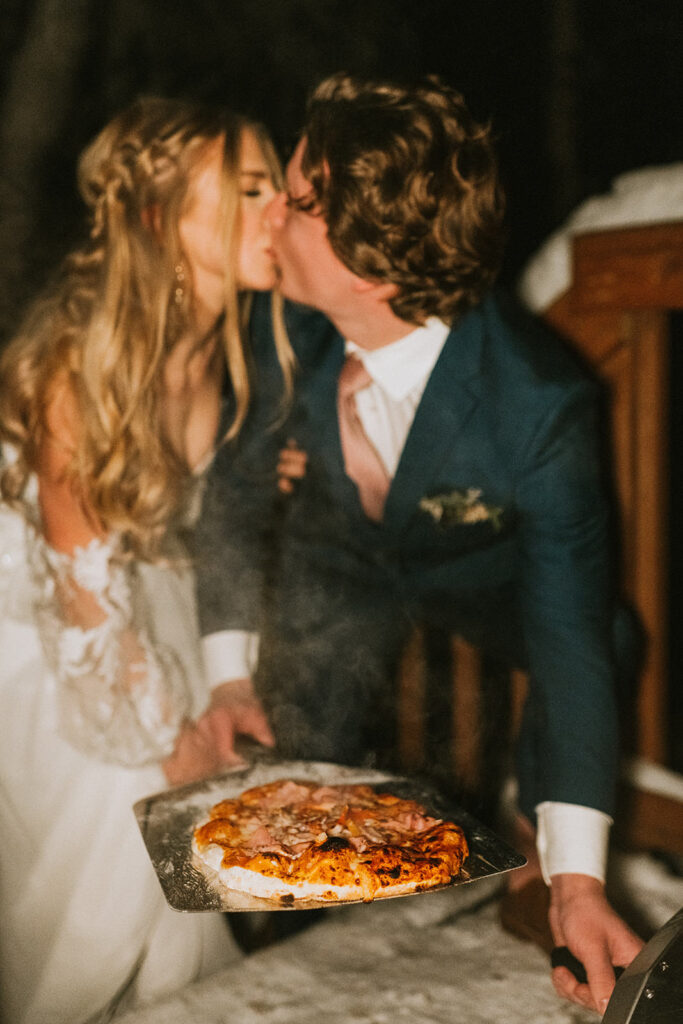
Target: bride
110,403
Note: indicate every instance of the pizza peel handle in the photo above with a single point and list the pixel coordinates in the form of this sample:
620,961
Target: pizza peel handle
167,821
561,956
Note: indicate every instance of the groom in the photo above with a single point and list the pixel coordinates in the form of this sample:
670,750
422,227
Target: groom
452,478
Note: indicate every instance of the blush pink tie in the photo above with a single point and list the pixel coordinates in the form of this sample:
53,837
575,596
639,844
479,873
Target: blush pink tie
361,459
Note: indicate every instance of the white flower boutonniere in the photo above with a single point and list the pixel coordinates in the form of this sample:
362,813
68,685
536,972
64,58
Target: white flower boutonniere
456,507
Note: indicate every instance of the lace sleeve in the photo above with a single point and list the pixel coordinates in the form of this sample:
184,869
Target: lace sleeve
121,696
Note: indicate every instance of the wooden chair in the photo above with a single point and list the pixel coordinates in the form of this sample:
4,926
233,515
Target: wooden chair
625,284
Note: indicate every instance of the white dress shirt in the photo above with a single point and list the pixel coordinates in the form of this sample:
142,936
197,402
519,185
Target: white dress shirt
570,838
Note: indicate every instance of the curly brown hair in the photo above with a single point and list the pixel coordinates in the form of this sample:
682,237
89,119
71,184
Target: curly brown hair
407,182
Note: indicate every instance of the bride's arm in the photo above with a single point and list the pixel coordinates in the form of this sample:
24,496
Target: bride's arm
122,697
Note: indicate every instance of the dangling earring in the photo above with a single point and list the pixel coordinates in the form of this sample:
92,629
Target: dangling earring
179,292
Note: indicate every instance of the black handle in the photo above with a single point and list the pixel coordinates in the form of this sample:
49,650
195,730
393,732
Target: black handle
562,956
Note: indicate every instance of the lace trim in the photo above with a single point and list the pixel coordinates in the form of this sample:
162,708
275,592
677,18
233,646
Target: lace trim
121,696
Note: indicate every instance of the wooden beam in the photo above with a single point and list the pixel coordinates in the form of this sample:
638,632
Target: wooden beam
411,701
649,821
629,268
650,394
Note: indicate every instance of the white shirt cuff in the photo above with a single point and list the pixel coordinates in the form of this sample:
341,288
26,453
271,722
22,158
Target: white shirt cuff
230,654
572,839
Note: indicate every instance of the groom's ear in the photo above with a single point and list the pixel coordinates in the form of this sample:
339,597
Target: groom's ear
382,290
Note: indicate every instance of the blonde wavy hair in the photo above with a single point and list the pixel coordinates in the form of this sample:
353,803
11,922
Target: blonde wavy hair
108,323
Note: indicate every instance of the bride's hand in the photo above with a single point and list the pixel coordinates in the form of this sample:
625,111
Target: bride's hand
195,756
291,466
234,710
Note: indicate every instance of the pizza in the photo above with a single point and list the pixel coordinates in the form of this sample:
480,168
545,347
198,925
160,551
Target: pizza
290,840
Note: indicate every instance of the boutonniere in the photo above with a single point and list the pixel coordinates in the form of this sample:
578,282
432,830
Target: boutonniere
455,507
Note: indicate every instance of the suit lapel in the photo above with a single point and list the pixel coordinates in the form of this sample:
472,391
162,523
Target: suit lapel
451,395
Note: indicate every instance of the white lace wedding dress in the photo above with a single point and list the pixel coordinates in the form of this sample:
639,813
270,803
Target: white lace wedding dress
86,717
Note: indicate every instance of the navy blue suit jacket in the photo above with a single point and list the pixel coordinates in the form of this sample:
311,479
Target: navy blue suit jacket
507,413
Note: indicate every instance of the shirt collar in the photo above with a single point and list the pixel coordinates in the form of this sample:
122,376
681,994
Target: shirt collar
400,367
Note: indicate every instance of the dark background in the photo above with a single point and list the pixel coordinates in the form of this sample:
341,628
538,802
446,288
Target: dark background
578,92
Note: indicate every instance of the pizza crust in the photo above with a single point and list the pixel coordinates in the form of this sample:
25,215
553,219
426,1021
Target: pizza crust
269,887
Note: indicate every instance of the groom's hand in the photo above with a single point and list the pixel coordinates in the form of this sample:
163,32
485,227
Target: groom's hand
234,711
582,919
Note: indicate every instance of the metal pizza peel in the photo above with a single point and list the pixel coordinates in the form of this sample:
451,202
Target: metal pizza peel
167,821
